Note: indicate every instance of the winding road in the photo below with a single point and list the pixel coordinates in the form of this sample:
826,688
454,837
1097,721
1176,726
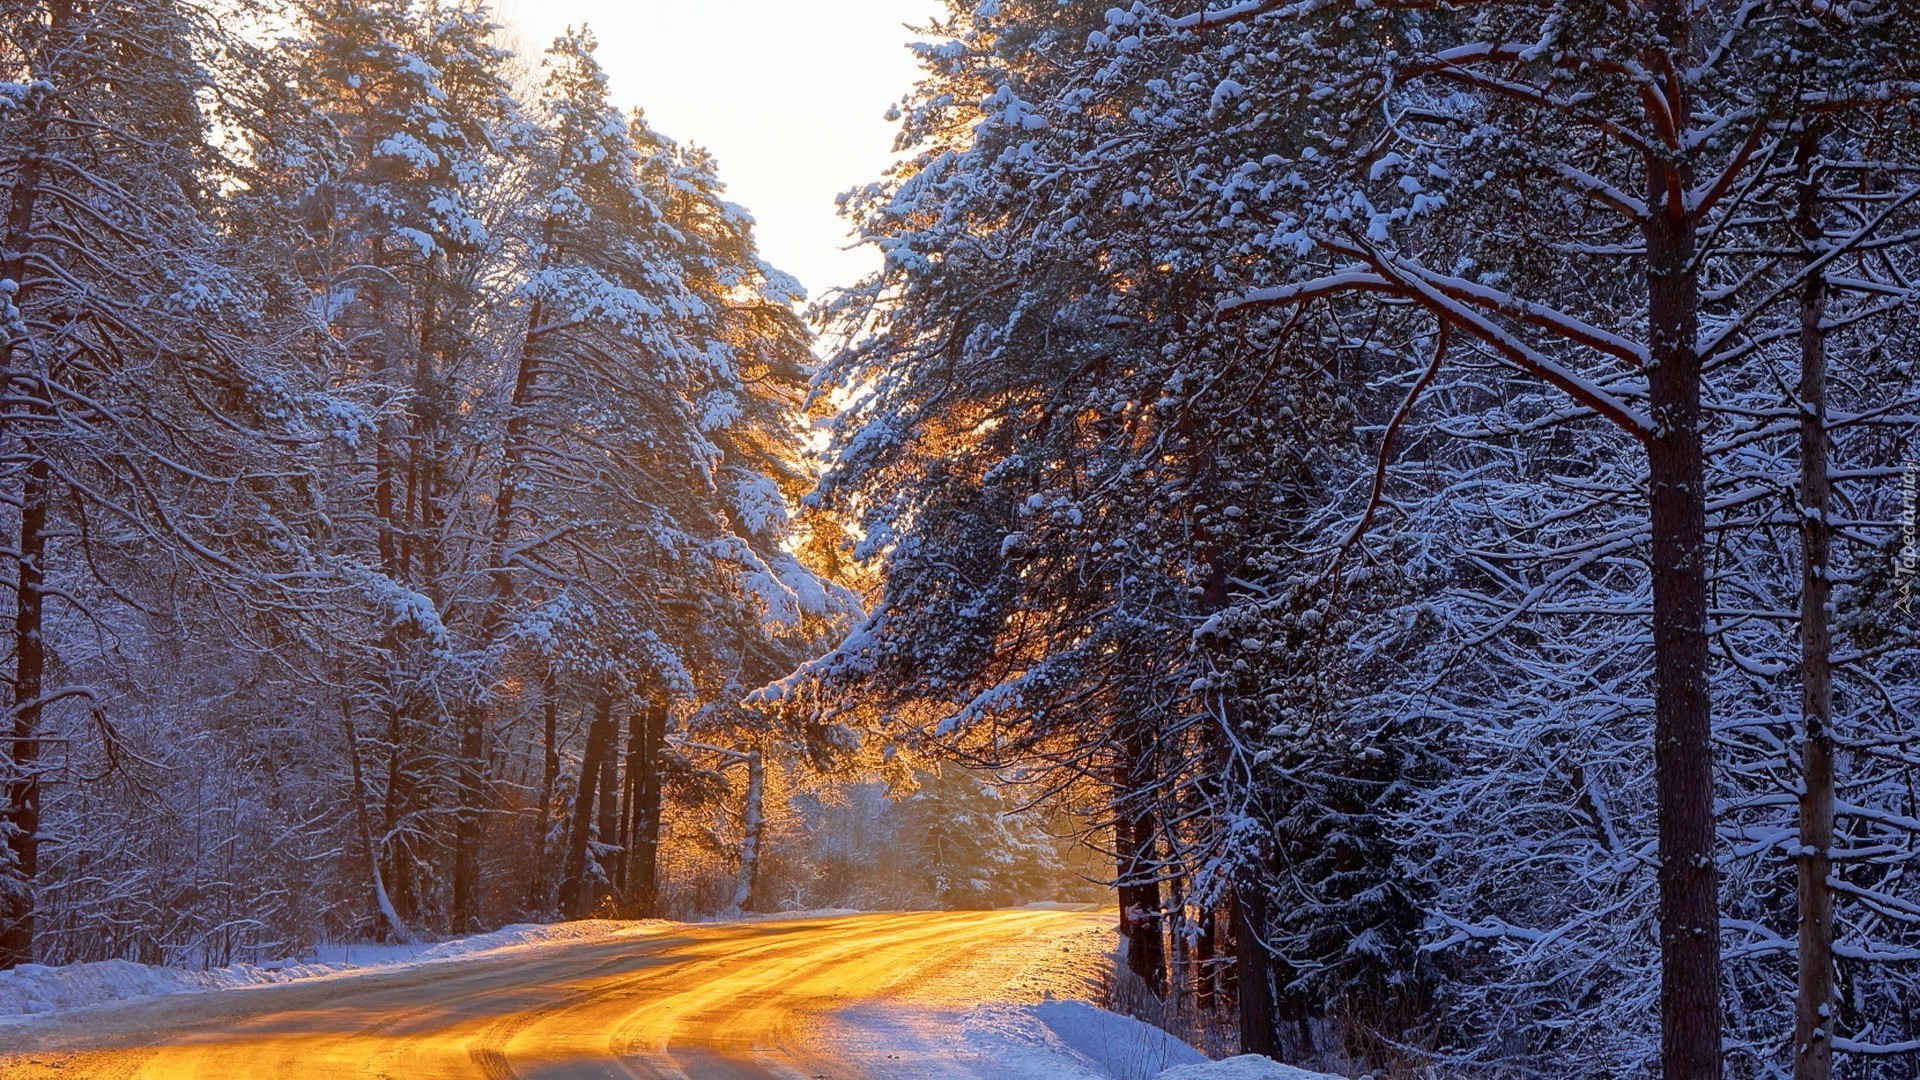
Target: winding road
722,1001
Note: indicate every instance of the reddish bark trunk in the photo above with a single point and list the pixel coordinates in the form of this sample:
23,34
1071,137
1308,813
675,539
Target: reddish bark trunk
1690,1008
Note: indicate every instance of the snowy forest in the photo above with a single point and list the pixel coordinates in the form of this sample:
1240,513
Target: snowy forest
1412,503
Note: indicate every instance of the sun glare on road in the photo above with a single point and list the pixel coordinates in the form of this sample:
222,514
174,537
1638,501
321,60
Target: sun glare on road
657,1000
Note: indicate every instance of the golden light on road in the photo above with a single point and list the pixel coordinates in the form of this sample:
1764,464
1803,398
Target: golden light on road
713,1001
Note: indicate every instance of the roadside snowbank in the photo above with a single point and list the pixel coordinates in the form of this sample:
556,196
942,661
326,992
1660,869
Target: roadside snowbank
1245,1067
1049,1040
782,916
36,988
1034,1024
1116,1046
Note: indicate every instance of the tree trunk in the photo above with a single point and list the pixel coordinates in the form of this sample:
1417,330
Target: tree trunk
1205,982
607,819
1179,941
747,886
392,557
395,846
1259,1016
1814,1006
1690,1009
469,817
644,859
383,907
576,891
21,821
1139,894
549,778
29,678
630,799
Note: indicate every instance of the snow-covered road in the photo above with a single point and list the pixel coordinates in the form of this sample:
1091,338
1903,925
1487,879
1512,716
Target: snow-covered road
928,994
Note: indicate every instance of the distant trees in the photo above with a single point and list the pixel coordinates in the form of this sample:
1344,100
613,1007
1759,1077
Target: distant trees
967,846
1379,455
919,836
397,460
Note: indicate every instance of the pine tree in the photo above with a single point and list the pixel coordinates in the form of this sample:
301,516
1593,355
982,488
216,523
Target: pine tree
146,432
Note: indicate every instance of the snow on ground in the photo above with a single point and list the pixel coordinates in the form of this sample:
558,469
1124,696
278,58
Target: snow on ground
1039,1028
36,988
1049,1040
1245,1067
782,916
1122,1048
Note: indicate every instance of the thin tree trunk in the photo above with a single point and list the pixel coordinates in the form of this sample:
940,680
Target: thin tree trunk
423,500
644,864
469,817
382,903
417,542
549,778
607,820
393,563
1813,1010
392,554
630,799
1203,950
409,506
396,803
576,895
1690,1012
1179,952
746,886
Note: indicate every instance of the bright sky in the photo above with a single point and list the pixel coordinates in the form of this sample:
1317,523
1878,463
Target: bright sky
789,96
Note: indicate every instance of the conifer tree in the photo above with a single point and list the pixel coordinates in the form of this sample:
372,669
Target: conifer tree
144,425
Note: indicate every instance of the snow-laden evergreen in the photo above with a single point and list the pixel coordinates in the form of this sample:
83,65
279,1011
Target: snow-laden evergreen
1416,471
382,424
